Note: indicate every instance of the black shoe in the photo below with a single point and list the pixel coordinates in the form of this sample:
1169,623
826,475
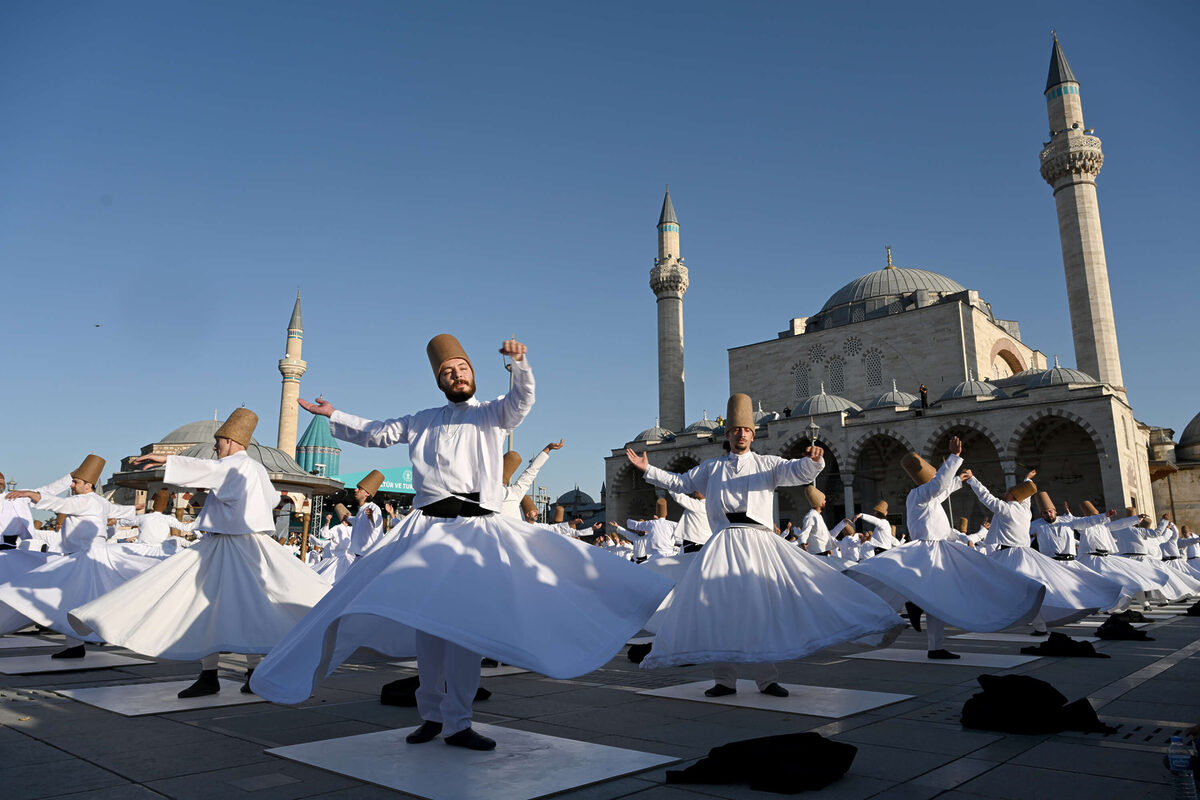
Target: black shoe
71,652
205,685
914,615
944,655
1039,633
471,740
246,686
427,732
719,690
775,690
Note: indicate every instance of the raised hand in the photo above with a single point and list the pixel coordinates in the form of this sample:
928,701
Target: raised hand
1029,476
955,446
816,452
322,407
514,350
642,463
966,475
553,446
151,460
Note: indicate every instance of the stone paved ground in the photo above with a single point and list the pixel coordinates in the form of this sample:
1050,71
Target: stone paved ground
51,746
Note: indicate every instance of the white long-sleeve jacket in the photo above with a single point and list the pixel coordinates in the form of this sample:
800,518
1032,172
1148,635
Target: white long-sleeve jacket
1010,518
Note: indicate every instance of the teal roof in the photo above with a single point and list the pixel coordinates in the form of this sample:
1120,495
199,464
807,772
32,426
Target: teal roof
317,435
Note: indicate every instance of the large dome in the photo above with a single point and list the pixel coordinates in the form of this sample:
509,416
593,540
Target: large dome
1188,448
824,404
885,291
1060,376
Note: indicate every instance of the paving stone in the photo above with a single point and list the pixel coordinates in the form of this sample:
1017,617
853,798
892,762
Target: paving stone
955,773
1016,783
50,779
893,763
1089,759
925,737
274,779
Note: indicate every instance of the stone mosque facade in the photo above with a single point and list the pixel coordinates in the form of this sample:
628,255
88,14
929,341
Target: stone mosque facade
850,374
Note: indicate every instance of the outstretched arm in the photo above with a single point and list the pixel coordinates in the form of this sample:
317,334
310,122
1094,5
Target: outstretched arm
798,471
515,405
988,499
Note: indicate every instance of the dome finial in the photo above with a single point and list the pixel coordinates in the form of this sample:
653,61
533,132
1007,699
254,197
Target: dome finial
1056,360
890,265
822,387
894,389
970,374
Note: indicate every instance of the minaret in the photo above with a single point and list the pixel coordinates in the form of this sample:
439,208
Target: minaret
291,367
669,280
1071,160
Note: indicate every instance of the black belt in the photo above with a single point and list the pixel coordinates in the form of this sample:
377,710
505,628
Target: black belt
451,507
739,518
826,553
1007,546
1064,557
1100,553
879,550
1170,558
1132,554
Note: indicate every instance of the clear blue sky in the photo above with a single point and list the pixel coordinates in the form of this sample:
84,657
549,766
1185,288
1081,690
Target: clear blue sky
173,172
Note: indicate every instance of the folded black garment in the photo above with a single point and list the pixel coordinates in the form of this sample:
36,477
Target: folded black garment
1117,629
1021,704
786,764
403,693
1130,615
1059,644
1194,611
638,652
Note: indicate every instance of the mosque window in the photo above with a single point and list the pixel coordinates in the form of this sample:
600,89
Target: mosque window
800,380
835,375
895,307
817,353
857,314
873,361
853,345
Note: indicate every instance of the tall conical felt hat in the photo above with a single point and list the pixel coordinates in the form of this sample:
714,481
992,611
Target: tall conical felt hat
739,413
371,483
341,511
90,470
1130,511
962,524
560,514
660,507
1023,491
1144,522
161,498
239,427
1088,509
512,460
920,470
528,506
441,349
880,508
815,497
59,519
1044,502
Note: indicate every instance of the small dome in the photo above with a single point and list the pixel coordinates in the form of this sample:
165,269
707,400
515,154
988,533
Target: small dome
275,461
575,497
1188,448
201,431
705,425
894,399
656,434
1061,376
973,388
824,404
763,417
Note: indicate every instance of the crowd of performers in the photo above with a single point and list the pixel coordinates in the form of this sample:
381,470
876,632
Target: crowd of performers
469,573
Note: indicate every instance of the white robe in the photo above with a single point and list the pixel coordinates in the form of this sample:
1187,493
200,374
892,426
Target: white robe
513,493
660,535
366,530
881,532
693,524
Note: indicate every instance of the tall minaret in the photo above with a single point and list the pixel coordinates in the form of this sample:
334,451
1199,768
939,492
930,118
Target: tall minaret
1071,161
669,280
291,367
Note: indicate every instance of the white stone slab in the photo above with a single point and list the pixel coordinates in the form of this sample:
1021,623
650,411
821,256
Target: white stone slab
486,672
642,640
136,700
1094,623
991,660
29,665
18,642
1023,638
816,701
523,766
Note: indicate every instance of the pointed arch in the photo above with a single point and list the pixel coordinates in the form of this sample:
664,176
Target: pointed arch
1019,432
960,422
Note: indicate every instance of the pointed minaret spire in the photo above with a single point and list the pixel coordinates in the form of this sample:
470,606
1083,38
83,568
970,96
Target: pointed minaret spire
668,209
1060,70
296,323
291,367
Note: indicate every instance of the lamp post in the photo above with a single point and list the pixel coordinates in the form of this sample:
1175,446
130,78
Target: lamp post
813,430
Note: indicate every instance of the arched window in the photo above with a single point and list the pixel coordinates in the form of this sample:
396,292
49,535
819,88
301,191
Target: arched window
873,363
800,380
835,375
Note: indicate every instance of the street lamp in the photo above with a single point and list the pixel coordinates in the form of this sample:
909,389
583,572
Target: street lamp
813,430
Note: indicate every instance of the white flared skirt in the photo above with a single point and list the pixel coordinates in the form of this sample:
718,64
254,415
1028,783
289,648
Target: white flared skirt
46,593
1071,594
953,583
335,567
750,596
493,585
1132,575
234,594
14,564
1177,585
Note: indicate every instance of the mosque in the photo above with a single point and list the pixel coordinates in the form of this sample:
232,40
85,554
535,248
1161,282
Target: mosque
902,359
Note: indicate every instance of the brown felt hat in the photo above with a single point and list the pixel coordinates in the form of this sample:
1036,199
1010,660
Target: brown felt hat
1088,509
962,524
1130,511
660,507
1044,502
1023,491
739,413
441,349
880,508
37,524
341,511
59,519
527,505
161,499
239,427
90,470
512,460
560,514
815,497
920,470
1144,522
371,483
